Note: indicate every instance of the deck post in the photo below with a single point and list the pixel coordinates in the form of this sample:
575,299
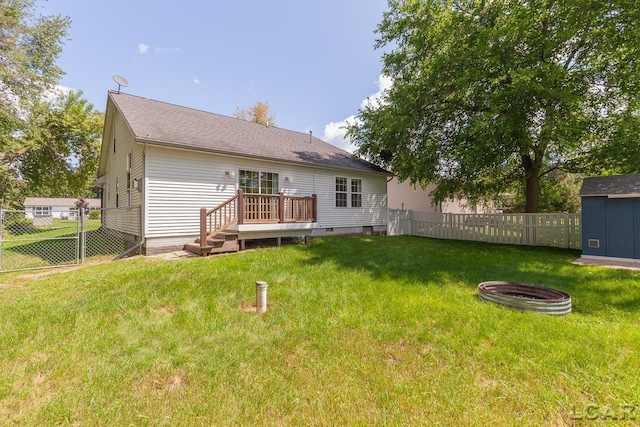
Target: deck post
203,228
240,206
314,200
281,208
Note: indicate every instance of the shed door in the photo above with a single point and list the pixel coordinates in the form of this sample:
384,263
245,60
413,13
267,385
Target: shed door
620,228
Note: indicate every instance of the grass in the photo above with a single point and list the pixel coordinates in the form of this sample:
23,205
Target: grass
25,246
360,331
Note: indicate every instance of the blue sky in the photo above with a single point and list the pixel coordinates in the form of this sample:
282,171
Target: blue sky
313,61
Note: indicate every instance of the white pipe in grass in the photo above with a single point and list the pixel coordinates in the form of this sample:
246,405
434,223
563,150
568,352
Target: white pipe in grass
261,297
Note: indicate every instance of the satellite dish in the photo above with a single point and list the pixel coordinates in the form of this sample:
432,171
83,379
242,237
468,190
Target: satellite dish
122,82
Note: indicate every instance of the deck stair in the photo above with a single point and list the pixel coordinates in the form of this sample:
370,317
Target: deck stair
223,241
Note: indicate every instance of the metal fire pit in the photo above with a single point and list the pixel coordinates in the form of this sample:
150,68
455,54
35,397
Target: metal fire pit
525,296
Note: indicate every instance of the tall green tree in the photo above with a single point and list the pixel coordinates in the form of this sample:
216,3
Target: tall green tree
488,94
261,113
29,47
64,134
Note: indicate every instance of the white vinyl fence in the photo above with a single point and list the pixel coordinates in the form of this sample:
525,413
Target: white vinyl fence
559,230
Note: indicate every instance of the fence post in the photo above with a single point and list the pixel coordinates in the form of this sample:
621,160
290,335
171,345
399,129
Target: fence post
240,207
314,207
1,233
565,218
203,228
82,238
281,208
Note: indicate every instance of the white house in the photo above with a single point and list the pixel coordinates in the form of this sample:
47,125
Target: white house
47,207
404,196
195,173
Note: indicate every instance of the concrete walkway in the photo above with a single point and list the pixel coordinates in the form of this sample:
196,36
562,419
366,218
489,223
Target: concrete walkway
608,263
176,255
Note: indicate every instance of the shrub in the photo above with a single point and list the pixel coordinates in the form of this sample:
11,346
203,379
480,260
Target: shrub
94,215
18,225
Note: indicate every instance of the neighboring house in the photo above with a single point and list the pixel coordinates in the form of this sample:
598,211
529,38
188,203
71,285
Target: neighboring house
268,182
611,217
47,207
404,196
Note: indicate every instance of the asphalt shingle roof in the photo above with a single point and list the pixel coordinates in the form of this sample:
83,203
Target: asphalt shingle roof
611,185
166,124
59,202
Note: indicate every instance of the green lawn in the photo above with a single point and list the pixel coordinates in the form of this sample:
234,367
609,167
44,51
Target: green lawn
25,246
360,331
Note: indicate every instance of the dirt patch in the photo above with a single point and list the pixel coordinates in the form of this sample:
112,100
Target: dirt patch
169,310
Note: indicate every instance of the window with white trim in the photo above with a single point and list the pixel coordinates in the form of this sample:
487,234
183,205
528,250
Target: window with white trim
41,210
258,182
341,192
356,193
129,180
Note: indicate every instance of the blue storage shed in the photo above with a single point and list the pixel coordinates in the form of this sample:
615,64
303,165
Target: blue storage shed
611,217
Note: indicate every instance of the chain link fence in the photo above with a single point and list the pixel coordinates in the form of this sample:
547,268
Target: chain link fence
29,240
33,240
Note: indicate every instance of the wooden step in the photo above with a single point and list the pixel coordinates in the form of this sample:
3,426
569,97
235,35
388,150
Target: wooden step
220,237
222,242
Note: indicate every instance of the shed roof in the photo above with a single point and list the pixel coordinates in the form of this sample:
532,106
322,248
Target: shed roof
164,124
59,202
611,186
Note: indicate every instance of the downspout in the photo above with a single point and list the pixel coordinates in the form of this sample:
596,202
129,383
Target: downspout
145,194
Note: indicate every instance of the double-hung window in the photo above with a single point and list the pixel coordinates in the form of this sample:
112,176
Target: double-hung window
348,192
356,193
341,192
41,210
129,180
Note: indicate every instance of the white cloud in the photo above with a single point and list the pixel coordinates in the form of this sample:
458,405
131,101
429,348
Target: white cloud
166,50
142,48
334,132
56,92
196,81
384,84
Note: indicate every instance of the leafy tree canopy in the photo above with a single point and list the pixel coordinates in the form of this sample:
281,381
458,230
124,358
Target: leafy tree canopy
63,139
261,113
491,94
29,46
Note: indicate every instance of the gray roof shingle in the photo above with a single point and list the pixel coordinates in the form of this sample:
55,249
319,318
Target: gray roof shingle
617,185
59,202
161,123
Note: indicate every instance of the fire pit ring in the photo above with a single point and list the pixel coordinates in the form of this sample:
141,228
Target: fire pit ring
525,296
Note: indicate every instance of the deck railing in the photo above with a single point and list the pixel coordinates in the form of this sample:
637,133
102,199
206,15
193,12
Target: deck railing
256,209
277,208
217,219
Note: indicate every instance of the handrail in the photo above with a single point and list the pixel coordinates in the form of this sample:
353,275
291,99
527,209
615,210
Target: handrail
254,209
217,219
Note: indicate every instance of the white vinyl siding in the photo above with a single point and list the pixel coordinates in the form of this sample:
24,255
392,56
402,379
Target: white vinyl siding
119,168
180,182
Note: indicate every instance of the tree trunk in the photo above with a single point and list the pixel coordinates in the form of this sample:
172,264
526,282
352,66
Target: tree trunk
532,176
532,188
